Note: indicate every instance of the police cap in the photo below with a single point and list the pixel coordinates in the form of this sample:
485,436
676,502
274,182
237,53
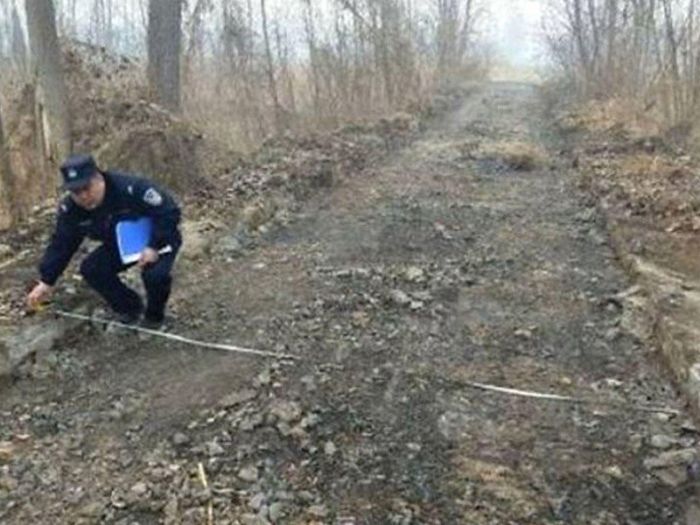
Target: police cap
77,171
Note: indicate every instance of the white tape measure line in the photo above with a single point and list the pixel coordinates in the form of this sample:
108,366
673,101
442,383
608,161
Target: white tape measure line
175,337
473,384
568,399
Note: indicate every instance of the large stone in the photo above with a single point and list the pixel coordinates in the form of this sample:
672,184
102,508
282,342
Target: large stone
5,250
257,501
662,441
253,519
399,297
238,397
248,473
683,457
276,511
318,511
17,345
287,411
7,450
5,367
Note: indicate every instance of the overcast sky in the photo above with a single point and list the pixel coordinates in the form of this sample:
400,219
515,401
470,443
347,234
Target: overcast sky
514,31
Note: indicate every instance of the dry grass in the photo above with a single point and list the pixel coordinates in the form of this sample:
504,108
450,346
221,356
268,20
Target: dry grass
643,164
613,115
517,155
242,118
646,172
506,72
512,492
660,187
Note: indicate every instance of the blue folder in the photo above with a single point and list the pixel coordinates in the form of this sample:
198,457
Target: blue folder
132,238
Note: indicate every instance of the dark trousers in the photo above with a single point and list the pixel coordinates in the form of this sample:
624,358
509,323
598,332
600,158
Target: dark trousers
101,271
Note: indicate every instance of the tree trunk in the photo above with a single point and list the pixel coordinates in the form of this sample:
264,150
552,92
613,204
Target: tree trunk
582,50
385,62
7,184
610,70
313,61
595,39
53,116
164,42
672,44
195,49
17,43
270,68
467,28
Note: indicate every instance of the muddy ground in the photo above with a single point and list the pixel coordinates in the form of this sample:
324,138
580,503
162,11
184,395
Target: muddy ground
395,287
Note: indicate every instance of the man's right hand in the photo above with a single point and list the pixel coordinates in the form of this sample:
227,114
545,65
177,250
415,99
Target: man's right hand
39,294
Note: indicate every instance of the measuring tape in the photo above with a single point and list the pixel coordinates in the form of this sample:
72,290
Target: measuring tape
278,355
167,335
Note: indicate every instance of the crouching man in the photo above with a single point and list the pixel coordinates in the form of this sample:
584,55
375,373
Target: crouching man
96,203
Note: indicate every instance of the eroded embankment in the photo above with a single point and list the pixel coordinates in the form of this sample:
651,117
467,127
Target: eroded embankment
648,189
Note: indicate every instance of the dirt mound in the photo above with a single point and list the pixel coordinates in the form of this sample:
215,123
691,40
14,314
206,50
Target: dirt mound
634,166
103,90
114,120
291,168
610,116
167,152
656,188
111,118
518,155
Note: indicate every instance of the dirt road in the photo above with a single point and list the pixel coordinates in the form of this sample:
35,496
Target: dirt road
395,288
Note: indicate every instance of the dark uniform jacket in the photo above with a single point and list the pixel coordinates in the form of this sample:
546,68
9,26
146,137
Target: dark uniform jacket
126,196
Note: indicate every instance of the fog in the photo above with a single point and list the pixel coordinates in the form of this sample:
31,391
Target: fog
513,31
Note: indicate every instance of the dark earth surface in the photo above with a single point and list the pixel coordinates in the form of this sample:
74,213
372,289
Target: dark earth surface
395,287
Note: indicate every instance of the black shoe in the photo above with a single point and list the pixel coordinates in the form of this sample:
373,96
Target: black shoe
114,322
129,318
153,323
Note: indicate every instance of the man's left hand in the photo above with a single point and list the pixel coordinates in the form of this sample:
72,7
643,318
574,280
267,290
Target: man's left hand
148,256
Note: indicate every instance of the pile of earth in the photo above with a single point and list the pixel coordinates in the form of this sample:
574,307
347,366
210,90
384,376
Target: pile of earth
646,174
114,120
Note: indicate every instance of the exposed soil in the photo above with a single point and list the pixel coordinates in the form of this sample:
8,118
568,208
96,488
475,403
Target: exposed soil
394,284
645,182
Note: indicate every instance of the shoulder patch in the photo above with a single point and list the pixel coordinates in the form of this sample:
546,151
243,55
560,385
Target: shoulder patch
152,197
65,205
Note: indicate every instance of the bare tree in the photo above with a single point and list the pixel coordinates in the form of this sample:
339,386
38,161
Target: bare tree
194,35
164,43
240,68
270,69
7,182
17,43
101,19
455,26
645,50
312,45
52,114
286,74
